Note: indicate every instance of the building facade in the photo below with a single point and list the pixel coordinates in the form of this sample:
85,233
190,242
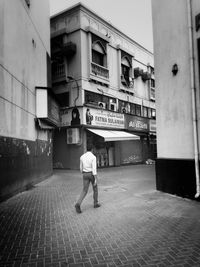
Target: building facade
104,82
176,27
25,147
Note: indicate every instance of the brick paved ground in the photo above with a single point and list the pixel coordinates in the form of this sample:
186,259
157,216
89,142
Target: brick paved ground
136,225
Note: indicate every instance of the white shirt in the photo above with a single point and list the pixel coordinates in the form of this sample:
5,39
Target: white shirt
88,163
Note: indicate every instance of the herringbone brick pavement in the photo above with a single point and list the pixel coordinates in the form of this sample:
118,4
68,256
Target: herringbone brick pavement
135,226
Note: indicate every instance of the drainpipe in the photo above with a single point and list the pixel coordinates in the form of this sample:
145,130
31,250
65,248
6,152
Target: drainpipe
193,90
77,87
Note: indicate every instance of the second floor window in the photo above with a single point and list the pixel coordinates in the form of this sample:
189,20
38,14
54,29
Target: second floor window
126,70
98,55
99,66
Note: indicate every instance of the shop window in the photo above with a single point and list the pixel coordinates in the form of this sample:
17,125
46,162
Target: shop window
92,98
149,112
124,107
95,99
145,112
138,110
132,109
112,104
121,108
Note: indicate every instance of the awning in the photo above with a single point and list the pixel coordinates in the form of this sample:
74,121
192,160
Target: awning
110,135
44,126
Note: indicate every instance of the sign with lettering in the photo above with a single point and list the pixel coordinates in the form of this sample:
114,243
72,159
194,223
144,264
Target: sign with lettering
134,123
103,118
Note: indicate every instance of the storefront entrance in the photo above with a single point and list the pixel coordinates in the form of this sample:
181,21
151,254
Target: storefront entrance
104,151
115,153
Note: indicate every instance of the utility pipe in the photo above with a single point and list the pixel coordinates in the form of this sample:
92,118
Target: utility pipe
77,86
193,90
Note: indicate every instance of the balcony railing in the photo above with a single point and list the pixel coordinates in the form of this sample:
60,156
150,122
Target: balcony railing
58,72
100,71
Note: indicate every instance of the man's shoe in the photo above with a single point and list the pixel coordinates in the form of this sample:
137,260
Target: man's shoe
78,208
97,205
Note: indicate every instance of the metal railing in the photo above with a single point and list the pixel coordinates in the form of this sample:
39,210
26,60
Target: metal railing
58,71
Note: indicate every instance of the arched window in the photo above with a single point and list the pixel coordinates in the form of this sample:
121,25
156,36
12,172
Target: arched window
98,53
125,70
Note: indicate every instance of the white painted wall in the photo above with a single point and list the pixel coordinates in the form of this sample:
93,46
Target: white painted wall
25,39
173,93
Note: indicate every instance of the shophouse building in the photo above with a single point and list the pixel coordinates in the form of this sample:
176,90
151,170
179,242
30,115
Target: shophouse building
104,82
176,27
25,146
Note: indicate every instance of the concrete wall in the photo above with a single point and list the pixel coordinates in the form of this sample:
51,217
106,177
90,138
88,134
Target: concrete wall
173,94
24,44
175,166
66,156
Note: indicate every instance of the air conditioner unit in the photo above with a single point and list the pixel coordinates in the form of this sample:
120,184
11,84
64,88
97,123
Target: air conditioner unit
146,76
102,105
113,106
73,136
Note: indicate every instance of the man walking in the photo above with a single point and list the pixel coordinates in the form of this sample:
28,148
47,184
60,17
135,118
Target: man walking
88,167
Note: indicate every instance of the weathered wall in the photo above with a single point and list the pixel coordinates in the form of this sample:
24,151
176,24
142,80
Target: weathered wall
23,163
66,156
24,44
175,166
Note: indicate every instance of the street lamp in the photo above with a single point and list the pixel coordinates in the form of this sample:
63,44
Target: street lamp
77,86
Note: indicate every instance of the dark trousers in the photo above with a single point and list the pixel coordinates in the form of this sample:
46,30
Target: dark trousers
87,178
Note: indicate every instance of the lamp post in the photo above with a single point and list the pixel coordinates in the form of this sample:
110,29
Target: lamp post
77,86
174,69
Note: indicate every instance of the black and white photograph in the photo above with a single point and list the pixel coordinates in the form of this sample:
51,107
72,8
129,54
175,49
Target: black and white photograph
99,133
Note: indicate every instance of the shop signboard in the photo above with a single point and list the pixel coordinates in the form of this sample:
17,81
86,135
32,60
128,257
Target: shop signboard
71,116
134,123
103,118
